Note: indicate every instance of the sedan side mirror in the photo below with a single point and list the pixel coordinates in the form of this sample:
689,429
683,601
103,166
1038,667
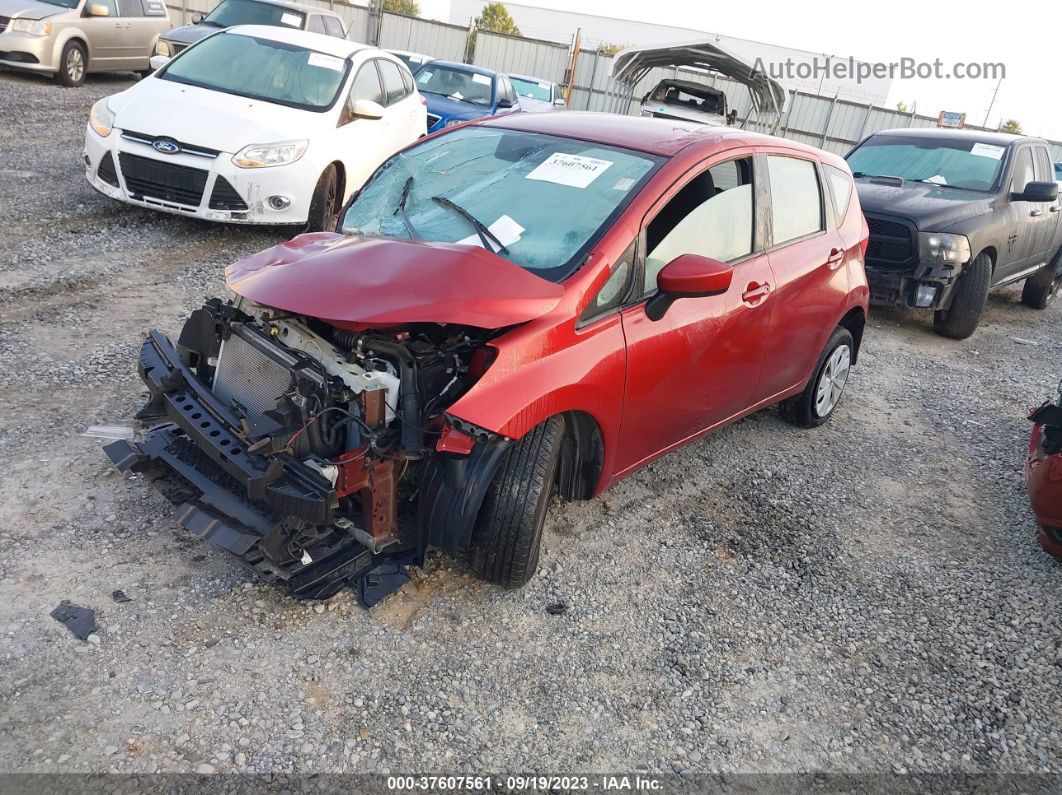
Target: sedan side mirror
158,61
367,109
98,10
688,276
1041,192
197,18
559,102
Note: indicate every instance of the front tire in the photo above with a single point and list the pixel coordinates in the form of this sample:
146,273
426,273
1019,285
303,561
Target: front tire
72,65
323,205
508,533
1041,288
960,320
815,405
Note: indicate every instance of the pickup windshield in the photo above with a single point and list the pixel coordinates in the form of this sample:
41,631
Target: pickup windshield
545,199
249,12
969,165
271,71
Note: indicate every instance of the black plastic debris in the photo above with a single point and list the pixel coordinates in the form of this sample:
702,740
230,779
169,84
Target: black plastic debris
557,608
119,596
79,620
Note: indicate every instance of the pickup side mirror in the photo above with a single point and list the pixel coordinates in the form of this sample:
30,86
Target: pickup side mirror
1041,192
367,109
688,276
98,10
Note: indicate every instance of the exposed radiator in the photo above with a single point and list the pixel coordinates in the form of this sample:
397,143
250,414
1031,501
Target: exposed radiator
248,374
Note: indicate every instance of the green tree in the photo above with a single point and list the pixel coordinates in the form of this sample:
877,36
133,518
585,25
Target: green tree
1012,126
902,107
407,7
496,17
611,48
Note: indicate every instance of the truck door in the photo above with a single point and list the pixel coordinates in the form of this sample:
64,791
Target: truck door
1020,245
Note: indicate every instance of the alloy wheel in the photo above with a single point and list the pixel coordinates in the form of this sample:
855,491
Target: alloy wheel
832,380
75,65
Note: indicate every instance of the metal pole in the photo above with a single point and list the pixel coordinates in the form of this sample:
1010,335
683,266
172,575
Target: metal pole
792,104
993,102
593,76
826,124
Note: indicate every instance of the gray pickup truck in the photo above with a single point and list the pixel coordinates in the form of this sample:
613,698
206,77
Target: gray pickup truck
955,213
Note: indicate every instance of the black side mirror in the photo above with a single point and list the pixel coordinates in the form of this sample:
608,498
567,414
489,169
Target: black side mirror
1040,192
505,102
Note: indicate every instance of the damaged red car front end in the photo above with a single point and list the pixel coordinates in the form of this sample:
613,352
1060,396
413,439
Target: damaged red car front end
1043,474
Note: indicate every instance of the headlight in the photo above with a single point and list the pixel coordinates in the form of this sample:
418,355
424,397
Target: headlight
101,118
264,155
939,247
34,27
163,48
452,122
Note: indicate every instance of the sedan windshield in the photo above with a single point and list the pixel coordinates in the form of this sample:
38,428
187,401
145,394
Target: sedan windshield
955,163
271,71
532,89
540,201
455,84
249,12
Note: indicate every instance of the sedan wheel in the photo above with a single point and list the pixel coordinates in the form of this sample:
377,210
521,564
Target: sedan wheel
832,381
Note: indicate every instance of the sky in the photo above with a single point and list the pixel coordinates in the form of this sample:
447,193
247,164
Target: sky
1025,38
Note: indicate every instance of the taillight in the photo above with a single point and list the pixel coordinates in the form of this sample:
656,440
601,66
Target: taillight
423,101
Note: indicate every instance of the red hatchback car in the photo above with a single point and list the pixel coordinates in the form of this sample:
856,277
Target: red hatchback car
516,306
1043,474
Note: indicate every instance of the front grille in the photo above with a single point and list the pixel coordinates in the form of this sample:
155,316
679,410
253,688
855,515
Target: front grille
167,181
225,197
248,375
4,22
147,140
105,170
177,47
891,243
433,120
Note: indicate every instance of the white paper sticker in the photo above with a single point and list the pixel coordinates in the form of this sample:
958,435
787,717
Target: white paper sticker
481,79
623,184
325,61
291,19
575,171
544,86
505,229
988,150
937,179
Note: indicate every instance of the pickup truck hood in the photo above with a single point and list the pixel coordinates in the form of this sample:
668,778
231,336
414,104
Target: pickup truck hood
930,207
207,118
380,281
29,9
188,34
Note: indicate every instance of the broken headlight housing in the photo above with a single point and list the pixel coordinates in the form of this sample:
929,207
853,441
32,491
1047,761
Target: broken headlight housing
944,248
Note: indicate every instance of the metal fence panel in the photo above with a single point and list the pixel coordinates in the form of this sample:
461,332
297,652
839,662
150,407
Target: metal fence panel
437,39
520,56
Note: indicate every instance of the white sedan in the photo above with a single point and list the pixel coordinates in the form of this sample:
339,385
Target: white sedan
254,124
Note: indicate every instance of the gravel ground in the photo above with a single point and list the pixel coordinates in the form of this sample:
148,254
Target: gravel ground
867,597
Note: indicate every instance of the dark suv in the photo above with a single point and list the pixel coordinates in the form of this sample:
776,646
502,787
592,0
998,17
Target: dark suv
955,213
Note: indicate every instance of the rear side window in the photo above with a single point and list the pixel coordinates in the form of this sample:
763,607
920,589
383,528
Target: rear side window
796,201
333,27
130,8
315,24
394,87
841,190
154,8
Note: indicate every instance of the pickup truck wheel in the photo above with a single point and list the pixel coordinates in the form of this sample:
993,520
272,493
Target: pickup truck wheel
1041,288
960,320
323,207
816,404
508,532
72,63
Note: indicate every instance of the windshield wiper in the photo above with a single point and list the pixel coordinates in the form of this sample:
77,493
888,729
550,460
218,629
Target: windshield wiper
400,210
211,22
481,228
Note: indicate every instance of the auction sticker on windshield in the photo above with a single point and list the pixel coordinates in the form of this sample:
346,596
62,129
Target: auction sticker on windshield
987,150
325,61
574,171
481,79
291,19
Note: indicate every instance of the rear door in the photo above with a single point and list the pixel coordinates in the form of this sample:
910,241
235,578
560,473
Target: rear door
1047,222
139,31
699,365
363,142
403,122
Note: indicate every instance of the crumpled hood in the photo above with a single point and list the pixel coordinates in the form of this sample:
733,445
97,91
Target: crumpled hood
931,208
29,9
188,34
165,107
380,281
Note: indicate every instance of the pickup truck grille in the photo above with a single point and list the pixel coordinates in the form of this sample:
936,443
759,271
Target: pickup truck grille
892,243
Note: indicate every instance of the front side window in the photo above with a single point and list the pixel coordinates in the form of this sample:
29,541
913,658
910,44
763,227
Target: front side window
532,89
130,8
333,27
1023,171
271,71
796,201
250,12
712,215
366,84
962,164
544,198
315,24
110,5
455,84
394,88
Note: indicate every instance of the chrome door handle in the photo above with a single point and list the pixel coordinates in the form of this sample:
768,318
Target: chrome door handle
836,258
1035,213
755,292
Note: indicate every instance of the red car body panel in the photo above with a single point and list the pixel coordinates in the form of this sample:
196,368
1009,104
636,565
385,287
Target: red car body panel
342,279
1043,476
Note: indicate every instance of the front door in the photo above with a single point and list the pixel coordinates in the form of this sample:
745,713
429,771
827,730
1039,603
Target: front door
363,140
1022,218
106,35
700,364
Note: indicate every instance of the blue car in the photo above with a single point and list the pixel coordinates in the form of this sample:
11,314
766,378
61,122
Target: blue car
457,92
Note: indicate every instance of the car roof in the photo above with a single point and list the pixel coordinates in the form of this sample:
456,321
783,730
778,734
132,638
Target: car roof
665,137
408,52
465,67
531,78
306,9
331,45
978,136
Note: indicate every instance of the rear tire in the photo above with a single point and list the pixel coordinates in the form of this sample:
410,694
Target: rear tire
815,405
1041,288
508,532
323,206
960,320
73,62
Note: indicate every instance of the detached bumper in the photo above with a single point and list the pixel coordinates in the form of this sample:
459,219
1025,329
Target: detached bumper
244,503
927,286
